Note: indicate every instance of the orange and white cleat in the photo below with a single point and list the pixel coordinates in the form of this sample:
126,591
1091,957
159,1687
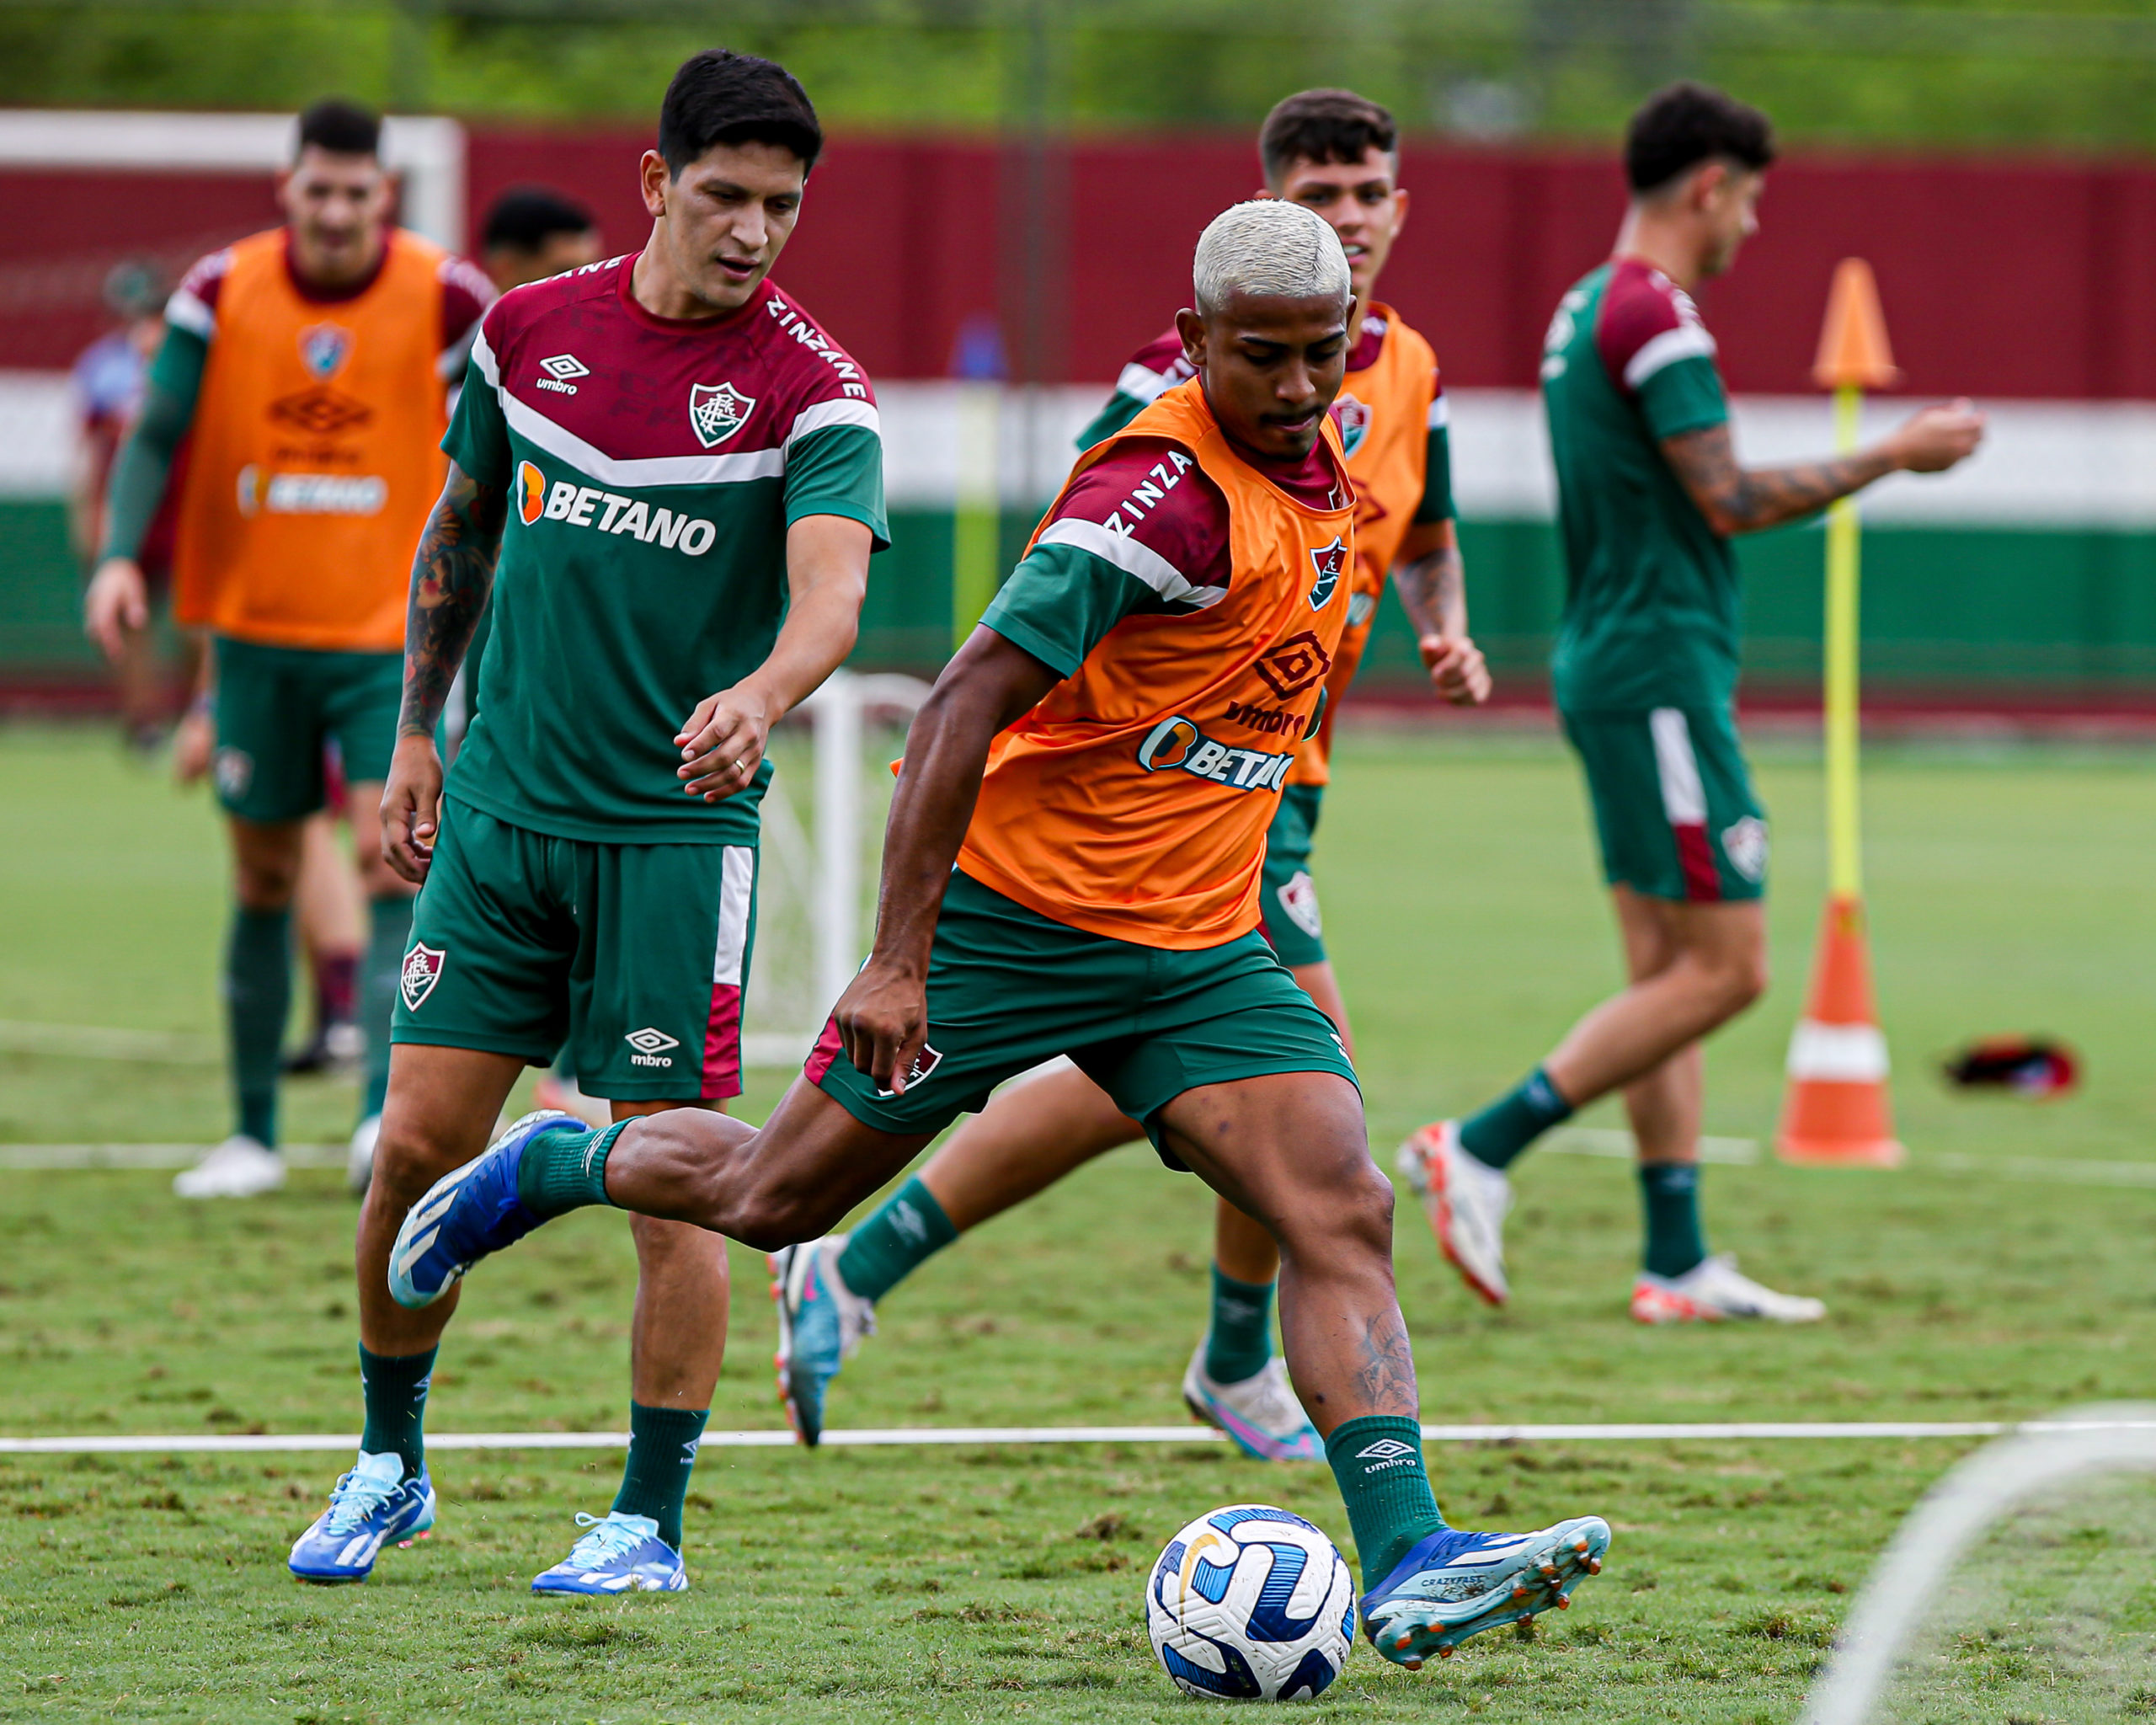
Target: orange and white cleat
1712,1290
1466,1200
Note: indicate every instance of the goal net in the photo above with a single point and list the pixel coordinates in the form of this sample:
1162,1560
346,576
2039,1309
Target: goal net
2022,1588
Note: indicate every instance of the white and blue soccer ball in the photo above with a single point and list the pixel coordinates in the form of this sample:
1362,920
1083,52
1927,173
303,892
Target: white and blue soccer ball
1250,1604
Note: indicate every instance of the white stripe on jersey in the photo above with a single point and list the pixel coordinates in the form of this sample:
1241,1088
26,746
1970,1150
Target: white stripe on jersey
1126,554
1135,381
1687,341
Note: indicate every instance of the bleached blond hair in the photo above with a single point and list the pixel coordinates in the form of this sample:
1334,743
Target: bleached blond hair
1269,248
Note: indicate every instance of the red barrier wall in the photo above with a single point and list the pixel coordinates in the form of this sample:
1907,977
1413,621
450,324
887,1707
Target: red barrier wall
2000,278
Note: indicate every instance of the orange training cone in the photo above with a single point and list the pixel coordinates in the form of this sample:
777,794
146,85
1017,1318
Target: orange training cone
1854,351
1836,1112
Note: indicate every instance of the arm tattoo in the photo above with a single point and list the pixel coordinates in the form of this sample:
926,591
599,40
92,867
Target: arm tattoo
1432,590
452,575
1736,501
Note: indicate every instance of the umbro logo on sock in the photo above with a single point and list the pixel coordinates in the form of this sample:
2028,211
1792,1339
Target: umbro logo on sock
1386,1452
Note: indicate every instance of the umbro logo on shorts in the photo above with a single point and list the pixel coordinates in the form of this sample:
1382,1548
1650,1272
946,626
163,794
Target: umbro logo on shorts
422,971
651,1046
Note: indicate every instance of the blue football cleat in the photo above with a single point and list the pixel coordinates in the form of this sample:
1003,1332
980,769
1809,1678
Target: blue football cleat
820,1323
1455,1584
371,1505
621,1554
467,1214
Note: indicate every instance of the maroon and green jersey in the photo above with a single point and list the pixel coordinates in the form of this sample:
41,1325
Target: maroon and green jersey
1651,607
653,469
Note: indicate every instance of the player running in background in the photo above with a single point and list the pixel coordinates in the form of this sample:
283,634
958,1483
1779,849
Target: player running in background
1334,152
307,367
1072,867
1645,679
681,476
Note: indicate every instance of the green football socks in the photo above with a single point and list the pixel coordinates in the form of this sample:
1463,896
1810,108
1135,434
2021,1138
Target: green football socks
1515,1120
1240,1341
662,1453
891,1245
389,931
1670,1194
395,1389
258,999
562,1170
1378,1461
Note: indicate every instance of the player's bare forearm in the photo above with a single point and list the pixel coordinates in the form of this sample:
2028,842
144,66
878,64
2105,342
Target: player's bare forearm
1432,580
1738,499
722,741
883,1016
452,575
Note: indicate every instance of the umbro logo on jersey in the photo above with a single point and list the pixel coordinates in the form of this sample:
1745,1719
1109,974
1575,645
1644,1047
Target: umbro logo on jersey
651,1046
717,411
1177,745
560,369
422,971
1293,665
1329,562
608,512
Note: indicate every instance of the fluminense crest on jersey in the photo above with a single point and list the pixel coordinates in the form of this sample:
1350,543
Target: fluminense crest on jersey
422,971
1352,418
1329,562
717,411
323,349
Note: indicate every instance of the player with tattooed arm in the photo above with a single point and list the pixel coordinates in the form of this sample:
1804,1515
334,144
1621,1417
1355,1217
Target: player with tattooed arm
1649,495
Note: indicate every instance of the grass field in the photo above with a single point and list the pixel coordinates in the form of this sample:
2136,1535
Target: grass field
2008,892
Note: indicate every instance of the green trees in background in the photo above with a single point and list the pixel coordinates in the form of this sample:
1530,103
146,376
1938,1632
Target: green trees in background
2019,74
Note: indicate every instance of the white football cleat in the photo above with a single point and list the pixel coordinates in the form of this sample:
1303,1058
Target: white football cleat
239,1167
1711,1290
1261,1415
359,1159
1466,1200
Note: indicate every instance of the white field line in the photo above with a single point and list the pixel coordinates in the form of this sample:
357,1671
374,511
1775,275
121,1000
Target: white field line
90,1042
905,1437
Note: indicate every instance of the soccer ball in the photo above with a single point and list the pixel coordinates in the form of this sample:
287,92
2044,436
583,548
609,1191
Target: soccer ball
1250,1604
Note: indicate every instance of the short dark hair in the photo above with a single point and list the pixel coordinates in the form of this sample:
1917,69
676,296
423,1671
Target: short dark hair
1683,125
527,217
1323,125
719,97
342,128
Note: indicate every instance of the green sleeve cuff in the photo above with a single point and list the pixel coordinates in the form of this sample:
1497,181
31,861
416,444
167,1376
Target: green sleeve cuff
1437,503
1120,411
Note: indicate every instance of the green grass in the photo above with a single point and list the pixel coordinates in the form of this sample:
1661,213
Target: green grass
2006,893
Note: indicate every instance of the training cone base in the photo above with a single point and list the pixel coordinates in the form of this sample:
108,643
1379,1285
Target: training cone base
1836,1114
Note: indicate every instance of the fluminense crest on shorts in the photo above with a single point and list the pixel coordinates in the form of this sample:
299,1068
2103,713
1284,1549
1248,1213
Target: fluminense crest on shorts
422,971
717,411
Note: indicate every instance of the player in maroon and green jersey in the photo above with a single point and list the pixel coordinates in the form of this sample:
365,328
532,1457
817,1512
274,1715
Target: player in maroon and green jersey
1645,678
1334,152
668,479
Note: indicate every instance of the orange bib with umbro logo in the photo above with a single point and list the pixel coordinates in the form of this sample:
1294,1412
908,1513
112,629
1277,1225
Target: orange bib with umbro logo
1132,801
313,459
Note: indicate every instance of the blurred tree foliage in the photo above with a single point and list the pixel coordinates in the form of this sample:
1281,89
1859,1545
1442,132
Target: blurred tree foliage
2012,74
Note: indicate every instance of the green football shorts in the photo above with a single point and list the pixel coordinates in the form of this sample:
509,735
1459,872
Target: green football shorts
1008,989
1288,897
277,706
1673,805
635,955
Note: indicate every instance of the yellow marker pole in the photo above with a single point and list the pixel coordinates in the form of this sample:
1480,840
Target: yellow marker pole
1836,1108
976,523
1845,850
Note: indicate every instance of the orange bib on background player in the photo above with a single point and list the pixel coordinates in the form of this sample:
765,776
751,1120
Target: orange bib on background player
1383,417
1132,801
314,458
